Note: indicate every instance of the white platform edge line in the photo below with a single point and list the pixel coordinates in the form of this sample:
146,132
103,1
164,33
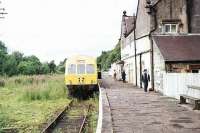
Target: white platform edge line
109,111
100,117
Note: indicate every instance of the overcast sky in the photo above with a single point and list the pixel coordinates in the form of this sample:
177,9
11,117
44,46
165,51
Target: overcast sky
56,29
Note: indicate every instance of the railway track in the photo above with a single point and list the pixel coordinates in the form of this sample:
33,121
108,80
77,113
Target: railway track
73,119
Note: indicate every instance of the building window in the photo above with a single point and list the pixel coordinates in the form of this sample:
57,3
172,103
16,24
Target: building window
170,28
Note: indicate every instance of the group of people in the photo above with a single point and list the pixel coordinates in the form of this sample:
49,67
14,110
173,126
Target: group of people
123,76
145,78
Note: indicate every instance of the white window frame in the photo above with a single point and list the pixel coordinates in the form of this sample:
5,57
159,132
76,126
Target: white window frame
170,30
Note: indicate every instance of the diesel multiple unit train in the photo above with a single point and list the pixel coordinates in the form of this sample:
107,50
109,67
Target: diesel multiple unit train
81,74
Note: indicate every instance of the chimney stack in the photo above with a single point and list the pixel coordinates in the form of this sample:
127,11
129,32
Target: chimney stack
124,13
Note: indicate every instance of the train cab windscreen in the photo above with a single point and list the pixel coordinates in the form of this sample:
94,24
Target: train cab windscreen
81,69
90,69
72,69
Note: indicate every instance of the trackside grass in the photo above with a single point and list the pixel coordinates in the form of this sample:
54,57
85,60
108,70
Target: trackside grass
93,114
27,102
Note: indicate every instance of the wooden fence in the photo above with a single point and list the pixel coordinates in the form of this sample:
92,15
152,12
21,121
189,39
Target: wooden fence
174,84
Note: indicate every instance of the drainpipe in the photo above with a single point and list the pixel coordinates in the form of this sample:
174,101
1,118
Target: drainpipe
135,57
152,12
152,63
140,70
152,54
188,12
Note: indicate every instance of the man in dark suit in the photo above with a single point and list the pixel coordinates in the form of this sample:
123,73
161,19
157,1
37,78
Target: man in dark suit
124,76
145,79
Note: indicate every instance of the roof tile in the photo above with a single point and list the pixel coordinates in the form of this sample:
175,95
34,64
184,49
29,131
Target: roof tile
179,47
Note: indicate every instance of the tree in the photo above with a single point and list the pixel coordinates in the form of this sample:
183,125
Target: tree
3,48
18,56
17,63
35,62
44,68
108,57
3,54
29,65
61,66
27,68
52,67
10,66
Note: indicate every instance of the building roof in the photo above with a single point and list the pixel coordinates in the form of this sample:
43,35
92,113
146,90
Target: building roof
129,23
179,47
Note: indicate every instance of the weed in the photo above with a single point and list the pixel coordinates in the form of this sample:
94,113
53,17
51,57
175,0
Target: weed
28,101
3,118
29,80
2,83
18,81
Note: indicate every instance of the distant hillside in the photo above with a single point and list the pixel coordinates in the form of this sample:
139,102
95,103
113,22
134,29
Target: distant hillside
108,57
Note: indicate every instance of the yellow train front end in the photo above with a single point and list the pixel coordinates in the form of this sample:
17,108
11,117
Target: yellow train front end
81,73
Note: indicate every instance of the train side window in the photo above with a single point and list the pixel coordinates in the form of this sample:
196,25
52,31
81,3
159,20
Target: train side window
81,68
90,69
72,69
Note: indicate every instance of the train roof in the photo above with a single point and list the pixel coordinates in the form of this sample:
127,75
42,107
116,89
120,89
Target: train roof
81,58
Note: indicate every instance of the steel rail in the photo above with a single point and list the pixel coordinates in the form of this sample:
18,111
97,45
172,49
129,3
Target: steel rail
85,119
53,123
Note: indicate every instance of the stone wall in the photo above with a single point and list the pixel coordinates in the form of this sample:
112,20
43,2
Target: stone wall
159,68
194,15
129,46
142,20
172,10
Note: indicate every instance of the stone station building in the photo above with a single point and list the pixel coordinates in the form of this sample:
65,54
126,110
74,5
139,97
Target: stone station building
169,26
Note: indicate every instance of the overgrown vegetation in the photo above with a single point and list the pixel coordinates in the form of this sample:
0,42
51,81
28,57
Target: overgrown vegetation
26,102
18,64
93,115
109,57
31,92
61,66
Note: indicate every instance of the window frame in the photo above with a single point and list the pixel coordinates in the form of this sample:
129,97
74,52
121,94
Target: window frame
170,28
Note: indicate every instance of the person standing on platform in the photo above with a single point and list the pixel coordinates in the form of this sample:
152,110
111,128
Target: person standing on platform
124,76
145,79
115,75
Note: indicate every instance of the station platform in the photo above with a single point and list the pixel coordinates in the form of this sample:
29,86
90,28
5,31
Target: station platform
128,109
